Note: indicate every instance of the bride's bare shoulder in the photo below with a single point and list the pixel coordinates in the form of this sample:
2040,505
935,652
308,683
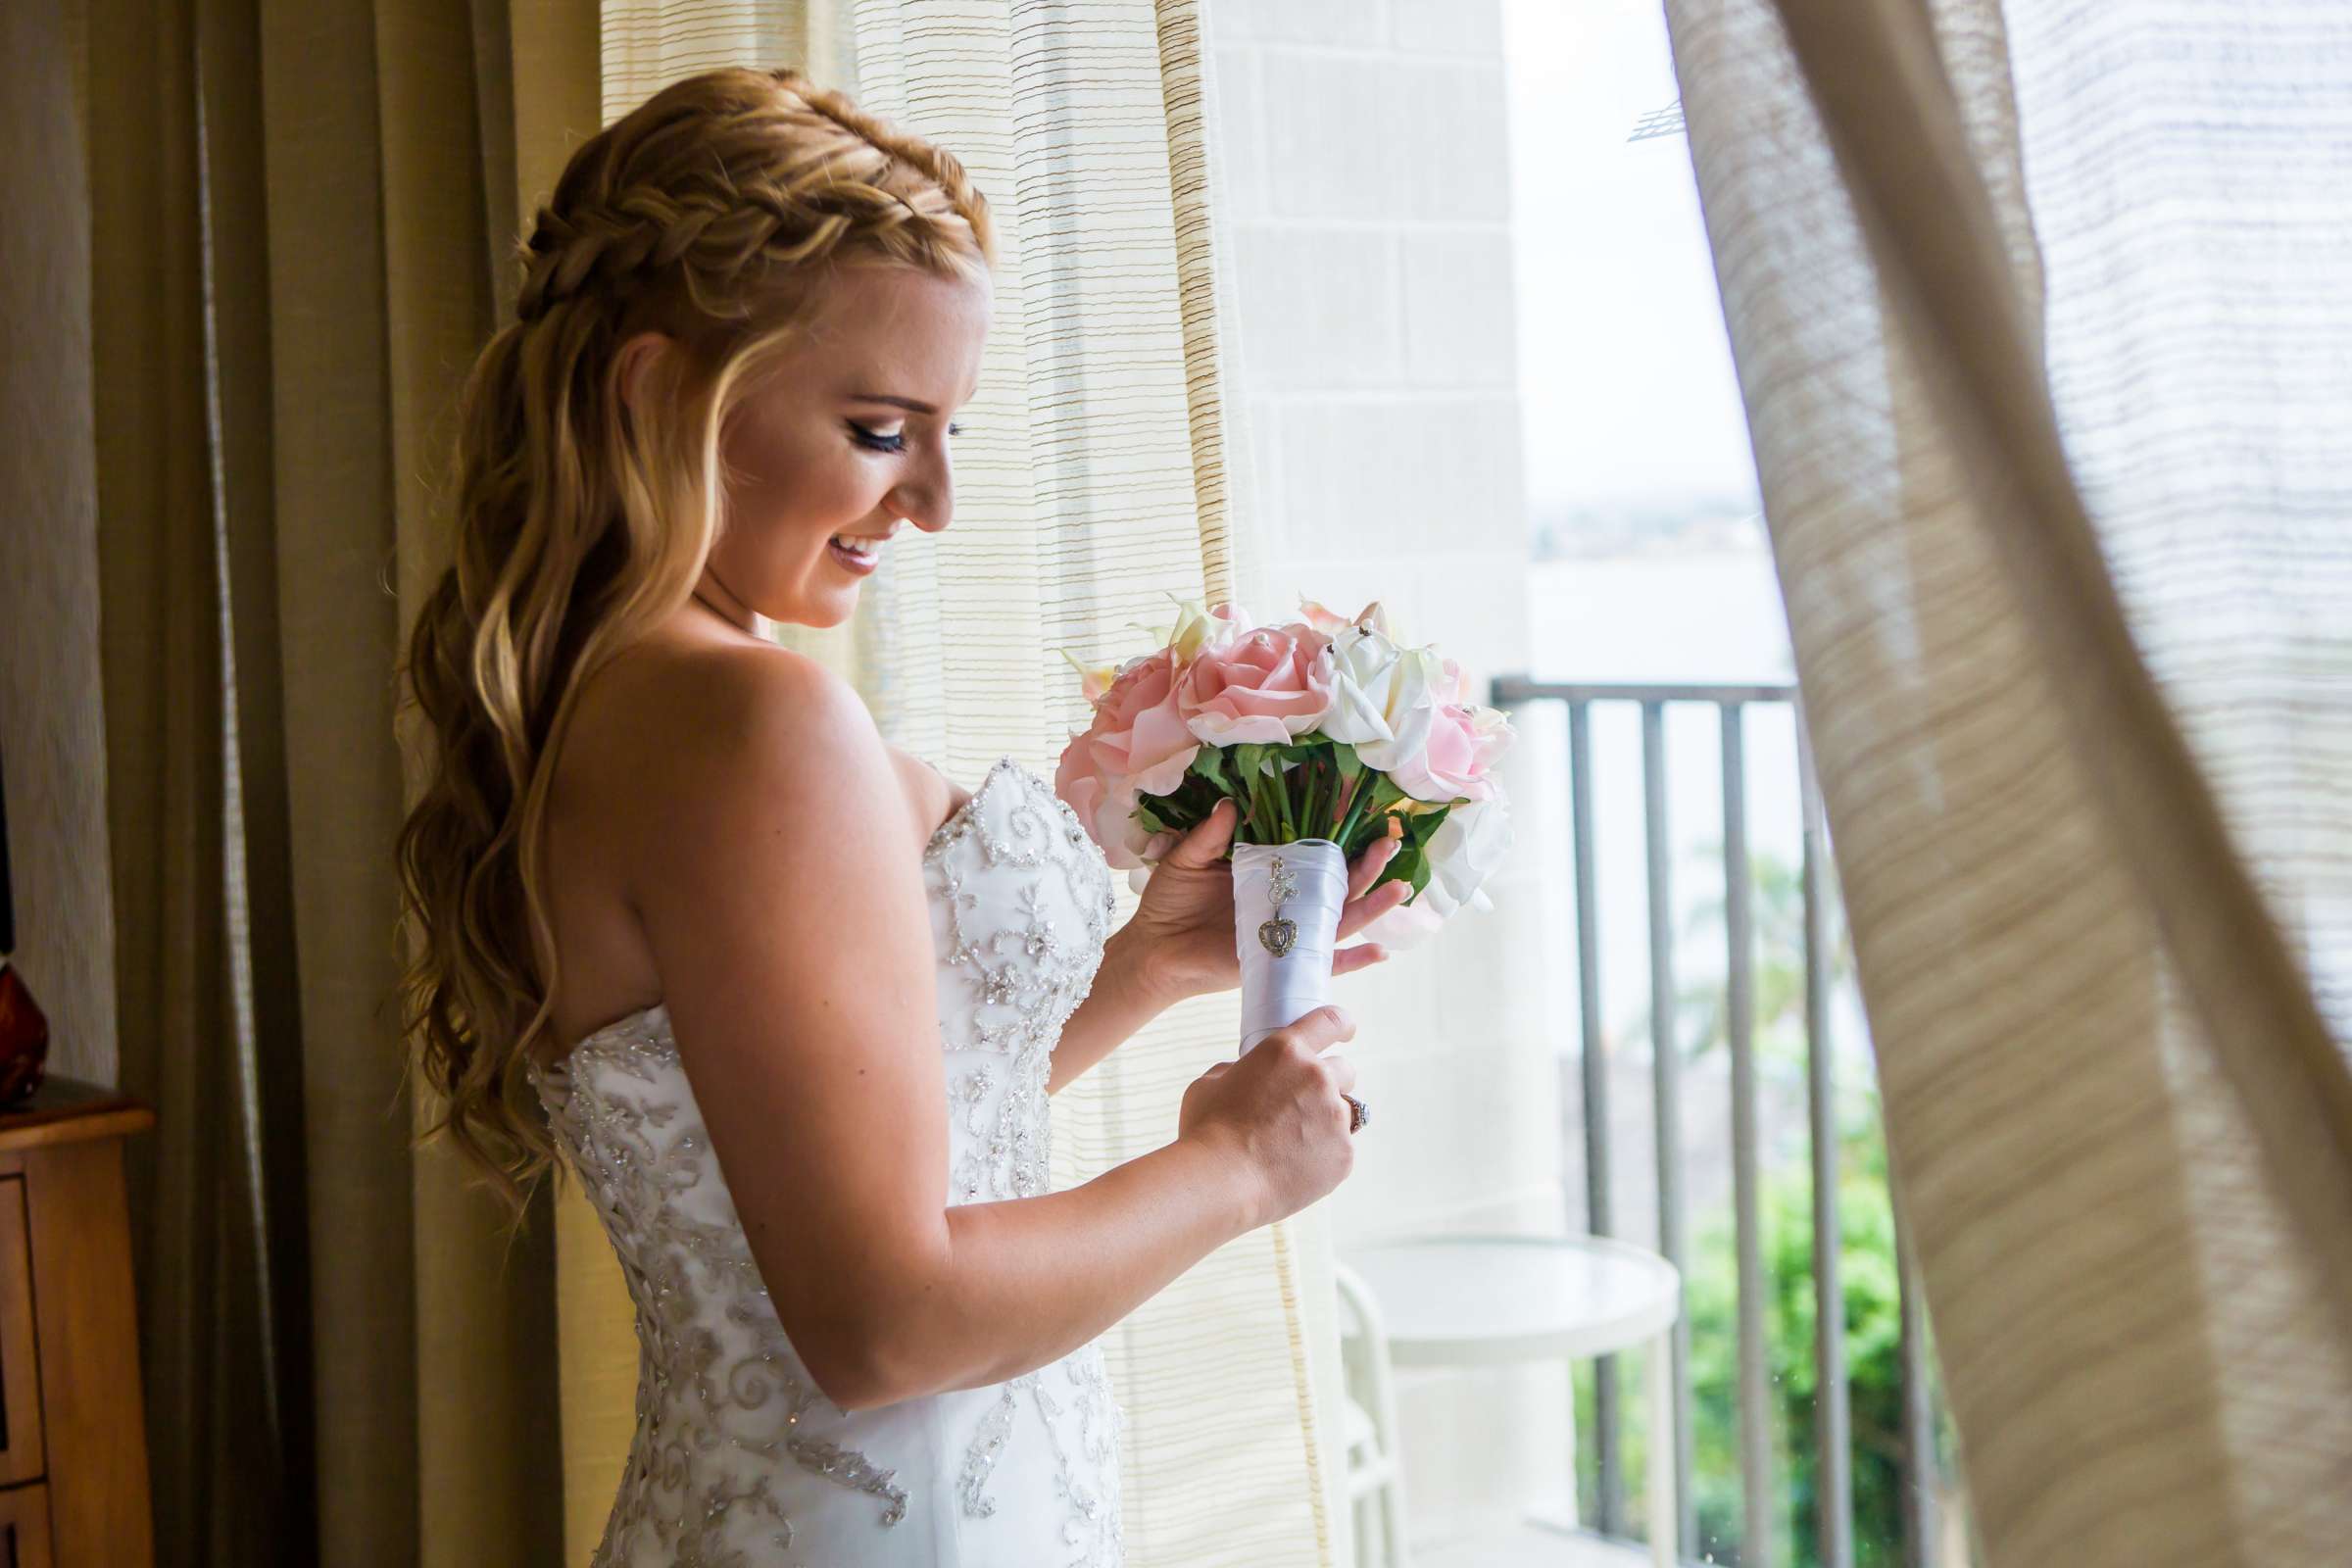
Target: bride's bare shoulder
677,686
678,720
682,775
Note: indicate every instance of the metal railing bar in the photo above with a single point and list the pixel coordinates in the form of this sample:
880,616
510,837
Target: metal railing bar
1666,1057
1832,1413
1755,1430
1597,1216
1506,689
1919,1411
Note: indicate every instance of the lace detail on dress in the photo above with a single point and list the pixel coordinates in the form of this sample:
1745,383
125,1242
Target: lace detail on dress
1009,984
738,1459
639,1150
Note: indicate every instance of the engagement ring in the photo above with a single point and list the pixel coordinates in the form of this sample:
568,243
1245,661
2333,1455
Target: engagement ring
1358,1114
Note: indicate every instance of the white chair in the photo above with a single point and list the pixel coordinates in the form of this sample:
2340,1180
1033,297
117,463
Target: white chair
1369,1426
1473,1300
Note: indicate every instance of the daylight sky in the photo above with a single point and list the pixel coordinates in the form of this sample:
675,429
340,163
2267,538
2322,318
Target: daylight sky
1625,378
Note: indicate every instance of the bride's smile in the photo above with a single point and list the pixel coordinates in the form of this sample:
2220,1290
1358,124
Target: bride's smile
843,439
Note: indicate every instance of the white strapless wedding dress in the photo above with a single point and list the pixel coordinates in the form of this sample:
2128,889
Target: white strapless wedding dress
738,1459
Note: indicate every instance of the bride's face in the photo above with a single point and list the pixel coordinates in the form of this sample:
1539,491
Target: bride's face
846,443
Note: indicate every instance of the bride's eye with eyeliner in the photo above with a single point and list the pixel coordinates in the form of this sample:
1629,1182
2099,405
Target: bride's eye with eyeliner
888,443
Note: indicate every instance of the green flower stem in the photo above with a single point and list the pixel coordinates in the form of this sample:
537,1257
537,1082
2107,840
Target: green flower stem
1356,811
1245,831
1350,795
1376,787
1269,814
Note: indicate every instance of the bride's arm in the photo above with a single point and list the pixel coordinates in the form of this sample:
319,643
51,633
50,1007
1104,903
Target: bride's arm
789,924
1126,994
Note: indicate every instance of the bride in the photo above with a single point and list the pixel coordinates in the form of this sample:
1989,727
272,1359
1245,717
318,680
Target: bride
790,1005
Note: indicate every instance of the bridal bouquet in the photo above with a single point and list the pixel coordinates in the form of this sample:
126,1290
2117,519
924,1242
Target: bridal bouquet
1321,730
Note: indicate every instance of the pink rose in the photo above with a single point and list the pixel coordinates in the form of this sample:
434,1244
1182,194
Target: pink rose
1267,685
1325,621
1463,744
1331,622
1137,745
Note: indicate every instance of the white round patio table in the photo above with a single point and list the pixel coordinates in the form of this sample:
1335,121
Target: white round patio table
1479,1301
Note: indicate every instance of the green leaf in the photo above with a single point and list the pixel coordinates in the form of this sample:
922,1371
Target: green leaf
1294,753
1365,814
1410,863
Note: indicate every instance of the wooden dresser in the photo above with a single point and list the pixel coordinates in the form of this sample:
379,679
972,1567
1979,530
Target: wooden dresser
73,1424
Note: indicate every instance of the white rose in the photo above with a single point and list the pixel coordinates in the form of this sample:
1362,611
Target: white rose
1462,852
1382,697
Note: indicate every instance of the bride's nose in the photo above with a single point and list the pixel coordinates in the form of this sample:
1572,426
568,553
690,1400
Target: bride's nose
927,500
925,490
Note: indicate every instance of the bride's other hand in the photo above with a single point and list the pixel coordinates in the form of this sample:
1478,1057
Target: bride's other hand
1180,939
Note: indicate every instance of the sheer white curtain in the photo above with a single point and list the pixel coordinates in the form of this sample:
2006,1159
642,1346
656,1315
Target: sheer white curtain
2045,335
1089,489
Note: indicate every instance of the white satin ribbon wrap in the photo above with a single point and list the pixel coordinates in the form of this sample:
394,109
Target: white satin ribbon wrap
1281,990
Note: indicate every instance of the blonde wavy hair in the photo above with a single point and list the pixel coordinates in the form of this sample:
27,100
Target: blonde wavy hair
709,213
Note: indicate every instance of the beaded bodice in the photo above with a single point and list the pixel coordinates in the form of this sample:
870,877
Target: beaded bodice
737,1458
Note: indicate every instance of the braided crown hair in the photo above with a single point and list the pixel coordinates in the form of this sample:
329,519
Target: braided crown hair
712,213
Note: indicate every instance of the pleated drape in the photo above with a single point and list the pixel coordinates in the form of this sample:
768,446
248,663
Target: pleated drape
2041,324
217,1201
1091,492
301,220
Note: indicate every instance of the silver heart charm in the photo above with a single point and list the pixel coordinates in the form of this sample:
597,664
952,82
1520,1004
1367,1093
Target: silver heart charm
1277,935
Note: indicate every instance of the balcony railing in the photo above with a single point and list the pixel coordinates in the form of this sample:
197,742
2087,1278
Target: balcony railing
1832,1435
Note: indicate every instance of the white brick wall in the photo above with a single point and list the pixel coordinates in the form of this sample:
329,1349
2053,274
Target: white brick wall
1373,351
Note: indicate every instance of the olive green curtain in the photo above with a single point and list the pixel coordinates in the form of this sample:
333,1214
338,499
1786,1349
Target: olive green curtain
300,219
2041,322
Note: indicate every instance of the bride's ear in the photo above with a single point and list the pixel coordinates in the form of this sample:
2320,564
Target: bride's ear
635,359
1208,839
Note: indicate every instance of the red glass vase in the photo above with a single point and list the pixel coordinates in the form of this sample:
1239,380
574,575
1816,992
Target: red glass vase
23,1038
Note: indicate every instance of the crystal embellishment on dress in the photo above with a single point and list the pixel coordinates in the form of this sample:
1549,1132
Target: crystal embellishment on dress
988,1441
738,1459
1016,856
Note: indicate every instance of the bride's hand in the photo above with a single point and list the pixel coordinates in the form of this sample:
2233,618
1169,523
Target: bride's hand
1182,932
